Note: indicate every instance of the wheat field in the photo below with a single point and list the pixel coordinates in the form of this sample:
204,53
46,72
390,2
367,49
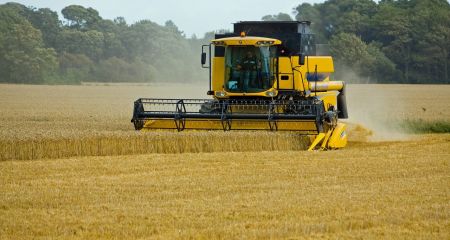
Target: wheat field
39,122
71,166
68,121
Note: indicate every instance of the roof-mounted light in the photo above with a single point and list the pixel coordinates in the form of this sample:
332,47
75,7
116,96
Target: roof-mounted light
220,43
264,42
243,34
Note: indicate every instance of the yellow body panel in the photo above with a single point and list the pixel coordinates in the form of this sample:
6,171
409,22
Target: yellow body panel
288,78
285,71
316,141
218,73
324,64
301,83
334,138
325,140
257,94
329,98
326,86
339,137
307,127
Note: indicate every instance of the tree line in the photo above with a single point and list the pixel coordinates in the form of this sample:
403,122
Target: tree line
392,41
389,41
37,47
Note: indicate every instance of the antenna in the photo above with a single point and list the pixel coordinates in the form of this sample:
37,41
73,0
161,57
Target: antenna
315,80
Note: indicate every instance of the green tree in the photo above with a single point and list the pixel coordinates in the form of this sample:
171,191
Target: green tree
365,60
170,25
117,70
140,40
75,68
352,16
308,12
23,57
412,34
47,22
112,31
430,22
350,53
80,17
380,67
393,29
90,43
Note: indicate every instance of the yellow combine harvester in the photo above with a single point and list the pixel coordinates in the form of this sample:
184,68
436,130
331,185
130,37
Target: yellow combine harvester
263,76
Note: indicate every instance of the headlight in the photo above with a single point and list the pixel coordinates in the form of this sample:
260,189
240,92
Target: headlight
221,94
271,93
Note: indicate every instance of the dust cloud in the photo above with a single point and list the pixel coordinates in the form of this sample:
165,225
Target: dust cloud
375,112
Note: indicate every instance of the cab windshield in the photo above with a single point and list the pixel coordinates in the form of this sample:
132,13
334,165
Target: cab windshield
249,69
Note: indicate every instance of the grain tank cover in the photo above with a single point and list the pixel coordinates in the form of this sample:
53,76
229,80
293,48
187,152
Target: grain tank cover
270,27
296,36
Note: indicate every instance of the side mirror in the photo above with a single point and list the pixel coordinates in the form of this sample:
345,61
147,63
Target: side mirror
203,58
301,59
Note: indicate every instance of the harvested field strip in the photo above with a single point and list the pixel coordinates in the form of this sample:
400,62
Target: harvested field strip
382,190
128,143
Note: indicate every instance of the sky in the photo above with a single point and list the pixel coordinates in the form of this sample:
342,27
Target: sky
191,17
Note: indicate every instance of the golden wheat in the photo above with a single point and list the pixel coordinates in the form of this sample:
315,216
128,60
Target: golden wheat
150,142
64,121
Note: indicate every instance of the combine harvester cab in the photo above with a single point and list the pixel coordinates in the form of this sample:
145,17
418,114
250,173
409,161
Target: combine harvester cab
271,80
